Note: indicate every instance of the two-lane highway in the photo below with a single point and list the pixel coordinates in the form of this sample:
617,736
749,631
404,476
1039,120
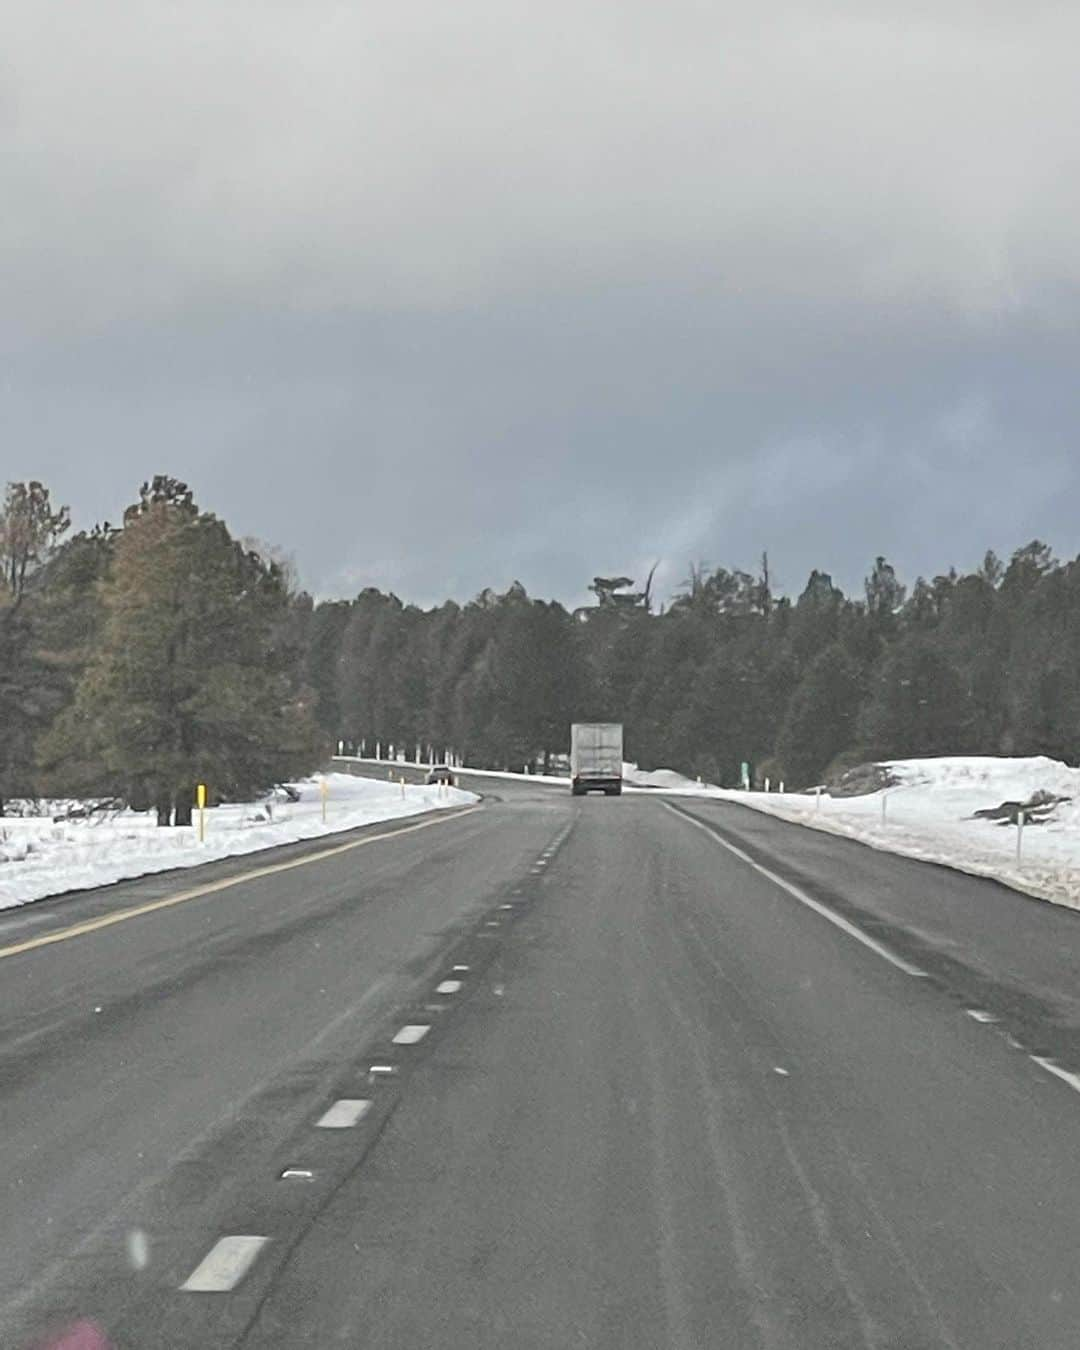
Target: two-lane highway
599,1072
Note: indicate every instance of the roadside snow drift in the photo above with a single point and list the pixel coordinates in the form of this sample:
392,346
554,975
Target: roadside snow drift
929,814
665,779
39,858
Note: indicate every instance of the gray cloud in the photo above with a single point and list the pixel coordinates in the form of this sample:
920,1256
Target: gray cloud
440,296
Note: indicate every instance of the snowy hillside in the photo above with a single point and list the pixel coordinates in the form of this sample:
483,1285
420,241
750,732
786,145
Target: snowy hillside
39,858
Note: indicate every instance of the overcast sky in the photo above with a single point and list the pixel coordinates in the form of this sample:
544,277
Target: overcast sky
438,295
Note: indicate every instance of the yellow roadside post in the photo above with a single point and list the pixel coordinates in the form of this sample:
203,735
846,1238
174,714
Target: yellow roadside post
324,792
200,798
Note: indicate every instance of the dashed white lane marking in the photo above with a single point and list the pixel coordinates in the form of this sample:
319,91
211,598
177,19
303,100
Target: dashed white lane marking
344,1114
33,1288
411,1034
461,967
224,1265
1072,1079
807,900
980,1016
448,987
298,1174
506,906
138,1249
782,1072
386,1069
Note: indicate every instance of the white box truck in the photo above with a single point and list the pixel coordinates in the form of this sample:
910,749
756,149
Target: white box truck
596,757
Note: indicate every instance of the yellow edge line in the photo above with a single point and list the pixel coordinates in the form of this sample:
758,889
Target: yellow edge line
107,920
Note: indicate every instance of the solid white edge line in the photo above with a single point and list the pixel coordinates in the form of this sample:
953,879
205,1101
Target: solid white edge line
224,1265
411,1034
1072,1079
807,900
344,1114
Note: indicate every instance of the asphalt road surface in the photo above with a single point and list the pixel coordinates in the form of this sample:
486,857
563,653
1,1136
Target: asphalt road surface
635,1072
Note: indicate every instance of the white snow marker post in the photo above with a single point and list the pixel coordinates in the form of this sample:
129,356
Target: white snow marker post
324,792
817,798
1019,835
884,800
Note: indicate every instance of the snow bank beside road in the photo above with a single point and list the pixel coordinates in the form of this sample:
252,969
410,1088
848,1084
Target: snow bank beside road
39,858
665,780
928,815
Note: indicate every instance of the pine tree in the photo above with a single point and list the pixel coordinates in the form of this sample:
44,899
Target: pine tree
884,599
821,720
30,530
191,682
920,704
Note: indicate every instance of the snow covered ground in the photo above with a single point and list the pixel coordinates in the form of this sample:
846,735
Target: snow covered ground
39,858
927,815
666,780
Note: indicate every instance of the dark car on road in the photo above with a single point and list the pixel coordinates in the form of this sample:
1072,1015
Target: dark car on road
441,773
